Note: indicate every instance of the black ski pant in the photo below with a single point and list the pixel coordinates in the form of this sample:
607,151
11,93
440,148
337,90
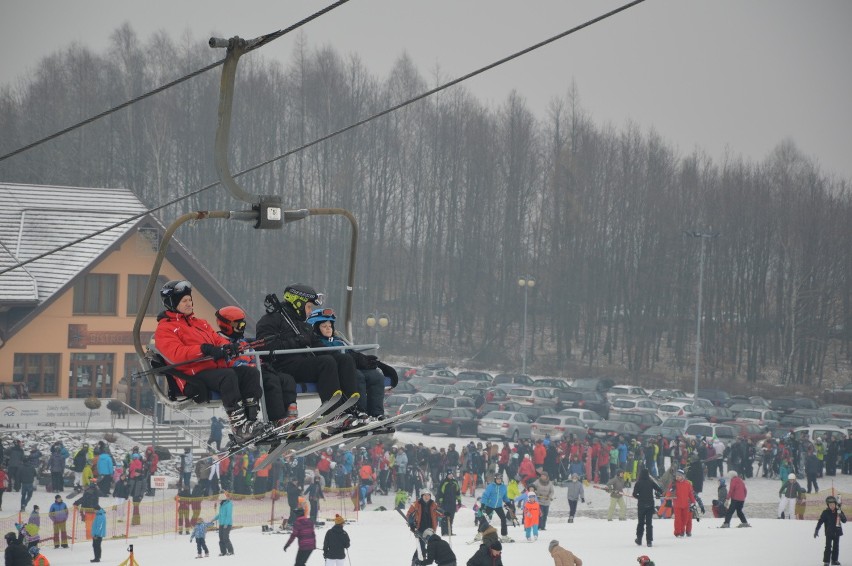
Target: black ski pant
832,549
225,546
329,372
504,530
542,519
736,506
233,384
645,523
302,556
280,391
96,546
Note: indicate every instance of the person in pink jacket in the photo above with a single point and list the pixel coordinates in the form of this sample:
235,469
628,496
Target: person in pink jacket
303,529
737,494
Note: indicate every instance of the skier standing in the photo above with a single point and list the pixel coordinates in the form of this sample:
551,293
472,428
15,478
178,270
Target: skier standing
831,517
335,543
575,491
645,490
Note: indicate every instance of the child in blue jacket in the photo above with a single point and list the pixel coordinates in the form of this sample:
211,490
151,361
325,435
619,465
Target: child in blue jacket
198,533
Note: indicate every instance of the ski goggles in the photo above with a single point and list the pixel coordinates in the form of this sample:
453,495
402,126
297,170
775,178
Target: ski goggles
323,312
238,325
182,286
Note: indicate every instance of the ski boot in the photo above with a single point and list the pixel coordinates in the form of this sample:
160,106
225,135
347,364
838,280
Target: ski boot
242,428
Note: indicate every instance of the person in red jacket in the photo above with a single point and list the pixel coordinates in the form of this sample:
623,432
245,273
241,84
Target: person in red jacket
527,471
181,337
684,499
737,494
303,529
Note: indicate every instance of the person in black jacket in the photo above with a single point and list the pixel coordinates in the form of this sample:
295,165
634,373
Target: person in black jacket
27,477
449,497
487,555
831,517
335,543
16,458
284,327
645,490
437,550
16,554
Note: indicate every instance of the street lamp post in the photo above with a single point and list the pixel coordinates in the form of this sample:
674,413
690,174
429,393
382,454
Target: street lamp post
704,237
378,322
526,283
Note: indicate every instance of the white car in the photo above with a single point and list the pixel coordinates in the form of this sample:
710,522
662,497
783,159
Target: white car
558,427
642,404
539,396
675,409
585,416
625,391
507,425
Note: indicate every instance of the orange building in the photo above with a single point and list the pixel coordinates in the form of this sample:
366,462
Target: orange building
66,318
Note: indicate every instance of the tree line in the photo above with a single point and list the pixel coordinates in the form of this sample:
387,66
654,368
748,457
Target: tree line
455,201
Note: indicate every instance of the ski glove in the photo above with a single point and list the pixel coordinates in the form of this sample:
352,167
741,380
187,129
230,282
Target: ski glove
816,534
389,372
363,361
215,352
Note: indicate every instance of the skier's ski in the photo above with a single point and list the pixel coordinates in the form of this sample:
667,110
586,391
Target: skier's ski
296,427
299,432
374,428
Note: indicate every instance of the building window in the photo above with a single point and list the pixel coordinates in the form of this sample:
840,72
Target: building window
96,294
136,285
40,372
91,375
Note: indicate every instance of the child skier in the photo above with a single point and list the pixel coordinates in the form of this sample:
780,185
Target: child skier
831,517
198,533
532,515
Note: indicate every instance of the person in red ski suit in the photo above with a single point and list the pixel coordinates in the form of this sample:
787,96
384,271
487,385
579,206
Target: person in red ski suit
684,498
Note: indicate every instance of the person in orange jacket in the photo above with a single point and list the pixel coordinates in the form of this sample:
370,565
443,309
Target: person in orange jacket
684,498
532,516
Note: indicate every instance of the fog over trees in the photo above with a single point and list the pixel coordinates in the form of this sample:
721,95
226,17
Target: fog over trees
455,201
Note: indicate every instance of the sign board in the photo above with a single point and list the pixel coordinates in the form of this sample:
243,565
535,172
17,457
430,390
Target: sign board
159,482
33,411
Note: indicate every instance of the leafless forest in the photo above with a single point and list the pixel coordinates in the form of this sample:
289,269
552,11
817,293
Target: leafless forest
456,200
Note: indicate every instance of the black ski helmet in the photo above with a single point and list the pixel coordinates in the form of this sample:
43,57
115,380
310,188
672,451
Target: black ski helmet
830,499
173,291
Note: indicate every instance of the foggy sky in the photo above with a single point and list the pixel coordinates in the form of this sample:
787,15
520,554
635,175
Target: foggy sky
727,76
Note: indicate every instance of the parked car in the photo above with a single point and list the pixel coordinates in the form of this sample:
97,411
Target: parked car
506,425
394,402
623,391
838,411
662,395
585,416
717,396
557,382
754,400
404,372
469,388
402,387
724,432
614,429
543,396
475,376
675,409
791,422
412,425
819,413
643,419
790,404
821,431
532,412
584,399
667,432
452,402
764,417
490,406
433,389
433,372
599,384
752,431
715,414
558,427
460,421
643,404
682,423
841,394
509,380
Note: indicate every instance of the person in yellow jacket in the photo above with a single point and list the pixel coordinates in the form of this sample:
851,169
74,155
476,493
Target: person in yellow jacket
532,515
86,476
561,556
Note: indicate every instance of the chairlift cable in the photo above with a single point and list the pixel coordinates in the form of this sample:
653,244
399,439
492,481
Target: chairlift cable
333,134
258,43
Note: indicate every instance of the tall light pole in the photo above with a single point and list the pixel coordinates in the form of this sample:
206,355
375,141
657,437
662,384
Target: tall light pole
526,283
704,237
377,322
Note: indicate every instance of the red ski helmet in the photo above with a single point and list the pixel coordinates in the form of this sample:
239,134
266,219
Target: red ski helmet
231,320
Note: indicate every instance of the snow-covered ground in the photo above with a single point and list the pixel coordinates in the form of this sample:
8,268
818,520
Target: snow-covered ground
382,538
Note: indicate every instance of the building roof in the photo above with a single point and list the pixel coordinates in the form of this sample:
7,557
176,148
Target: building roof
37,219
